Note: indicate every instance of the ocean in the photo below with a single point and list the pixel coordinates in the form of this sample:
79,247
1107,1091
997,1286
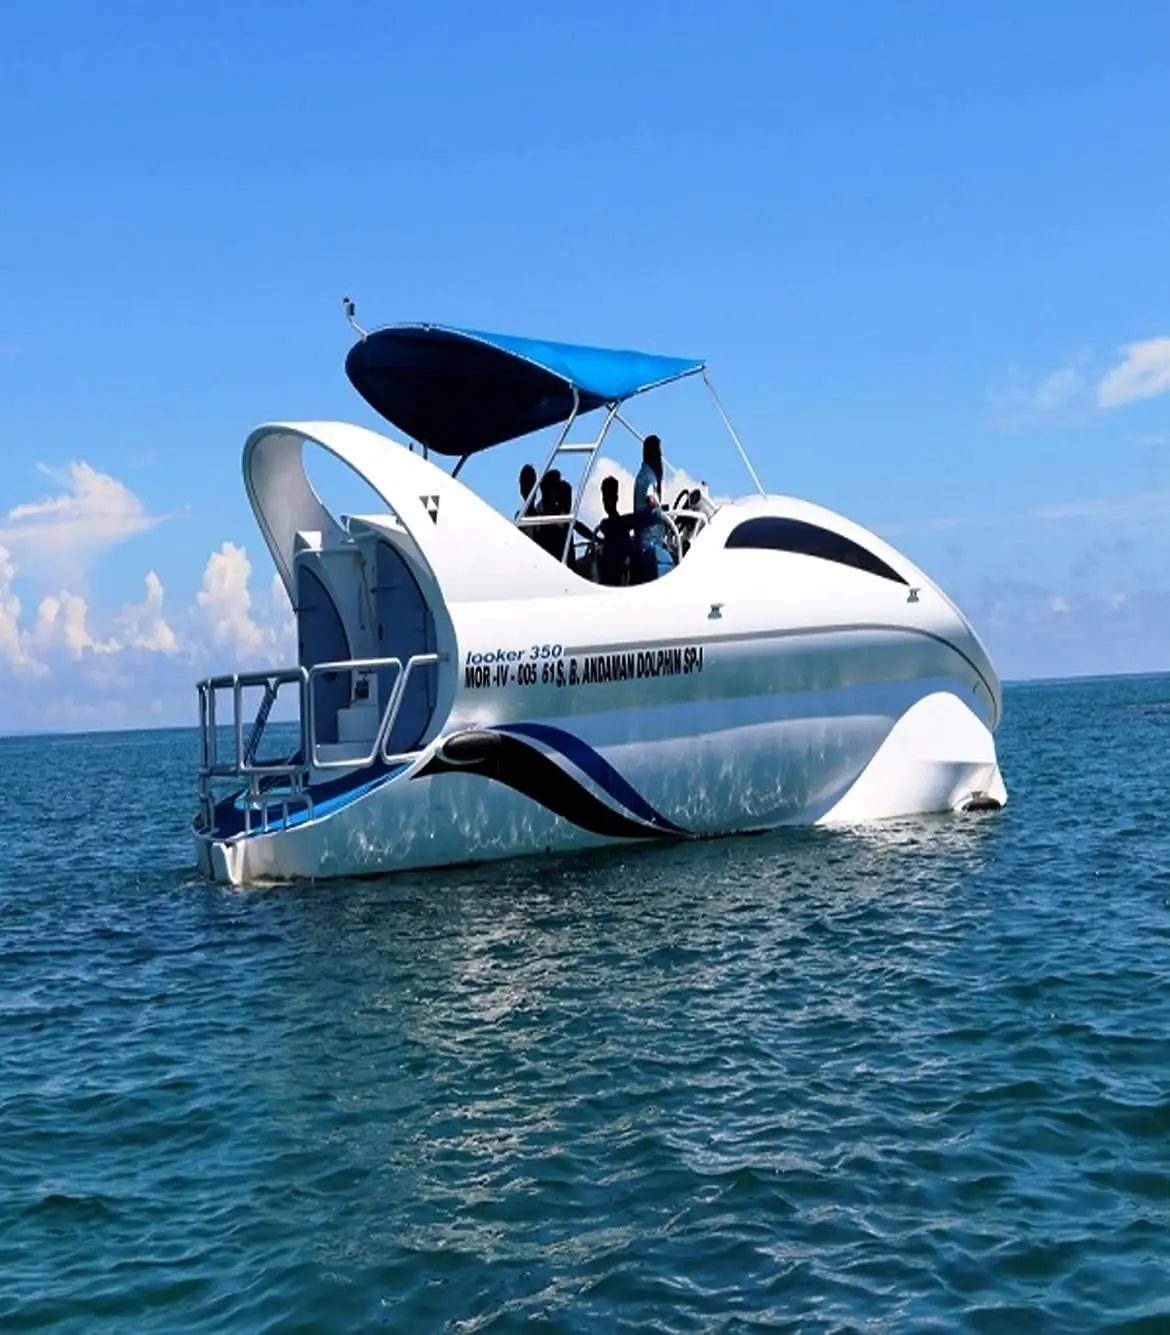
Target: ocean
909,1078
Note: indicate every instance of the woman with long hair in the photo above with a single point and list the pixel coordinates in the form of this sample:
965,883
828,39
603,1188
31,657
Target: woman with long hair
653,560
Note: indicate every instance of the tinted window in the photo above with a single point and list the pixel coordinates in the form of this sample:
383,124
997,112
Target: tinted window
794,535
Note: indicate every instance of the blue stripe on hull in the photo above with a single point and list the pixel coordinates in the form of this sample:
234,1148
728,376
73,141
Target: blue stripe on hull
590,762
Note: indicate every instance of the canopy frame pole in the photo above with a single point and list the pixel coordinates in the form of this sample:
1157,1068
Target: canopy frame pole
530,499
633,430
463,458
731,432
580,489
641,439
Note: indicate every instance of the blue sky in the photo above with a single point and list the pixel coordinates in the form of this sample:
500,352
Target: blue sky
923,248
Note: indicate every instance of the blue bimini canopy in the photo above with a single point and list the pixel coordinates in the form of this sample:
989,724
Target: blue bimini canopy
458,391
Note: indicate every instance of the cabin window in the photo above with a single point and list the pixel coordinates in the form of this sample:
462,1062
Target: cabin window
777,534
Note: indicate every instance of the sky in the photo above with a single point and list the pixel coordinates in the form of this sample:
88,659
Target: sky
922,247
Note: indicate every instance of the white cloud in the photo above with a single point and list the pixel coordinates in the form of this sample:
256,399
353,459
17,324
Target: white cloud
61,624
1020,400
15,643
62,534
226,605
1142,374
1057,391
592,510
285,629
80,669
143,625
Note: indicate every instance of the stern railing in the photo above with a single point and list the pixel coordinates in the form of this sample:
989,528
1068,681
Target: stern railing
283,784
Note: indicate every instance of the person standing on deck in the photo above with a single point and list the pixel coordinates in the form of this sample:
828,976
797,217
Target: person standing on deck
652,560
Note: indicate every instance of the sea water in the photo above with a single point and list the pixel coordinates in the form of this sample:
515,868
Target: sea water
913,1077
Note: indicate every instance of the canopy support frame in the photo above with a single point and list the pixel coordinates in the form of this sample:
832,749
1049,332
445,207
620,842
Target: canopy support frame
585,476
556,449
731,431
525,519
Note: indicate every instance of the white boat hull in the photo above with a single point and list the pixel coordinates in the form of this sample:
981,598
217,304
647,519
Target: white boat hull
847,758
756,685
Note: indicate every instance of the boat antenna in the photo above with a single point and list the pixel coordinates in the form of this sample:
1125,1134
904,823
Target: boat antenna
349,308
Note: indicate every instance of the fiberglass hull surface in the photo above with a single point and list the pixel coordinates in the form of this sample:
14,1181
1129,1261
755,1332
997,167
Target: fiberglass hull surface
690,769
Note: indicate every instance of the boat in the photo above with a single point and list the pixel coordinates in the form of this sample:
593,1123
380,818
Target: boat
466,689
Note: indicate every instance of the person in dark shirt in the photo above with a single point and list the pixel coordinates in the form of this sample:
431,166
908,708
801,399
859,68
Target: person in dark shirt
565,507
550,536
617,544
527,485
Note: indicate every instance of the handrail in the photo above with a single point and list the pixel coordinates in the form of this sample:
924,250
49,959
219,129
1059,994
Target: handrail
347,665
535,521
391,715
243,763
236,682
697,517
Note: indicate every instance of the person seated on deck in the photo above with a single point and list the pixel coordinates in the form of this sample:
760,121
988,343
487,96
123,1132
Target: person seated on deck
527,487
550,536
617,546
531,505
651,559
565,507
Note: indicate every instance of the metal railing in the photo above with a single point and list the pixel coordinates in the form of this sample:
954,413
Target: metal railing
389,714
244,760
292,774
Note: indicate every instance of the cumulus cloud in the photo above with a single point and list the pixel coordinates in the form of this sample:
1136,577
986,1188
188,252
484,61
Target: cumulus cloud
15,643
61,624
63,533
82,668
143,626
1143,373
285,619
226,605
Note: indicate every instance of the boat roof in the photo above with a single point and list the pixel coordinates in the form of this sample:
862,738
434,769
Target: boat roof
458,391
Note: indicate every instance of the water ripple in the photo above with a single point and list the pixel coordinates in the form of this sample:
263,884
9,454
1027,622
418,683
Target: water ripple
901,1078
